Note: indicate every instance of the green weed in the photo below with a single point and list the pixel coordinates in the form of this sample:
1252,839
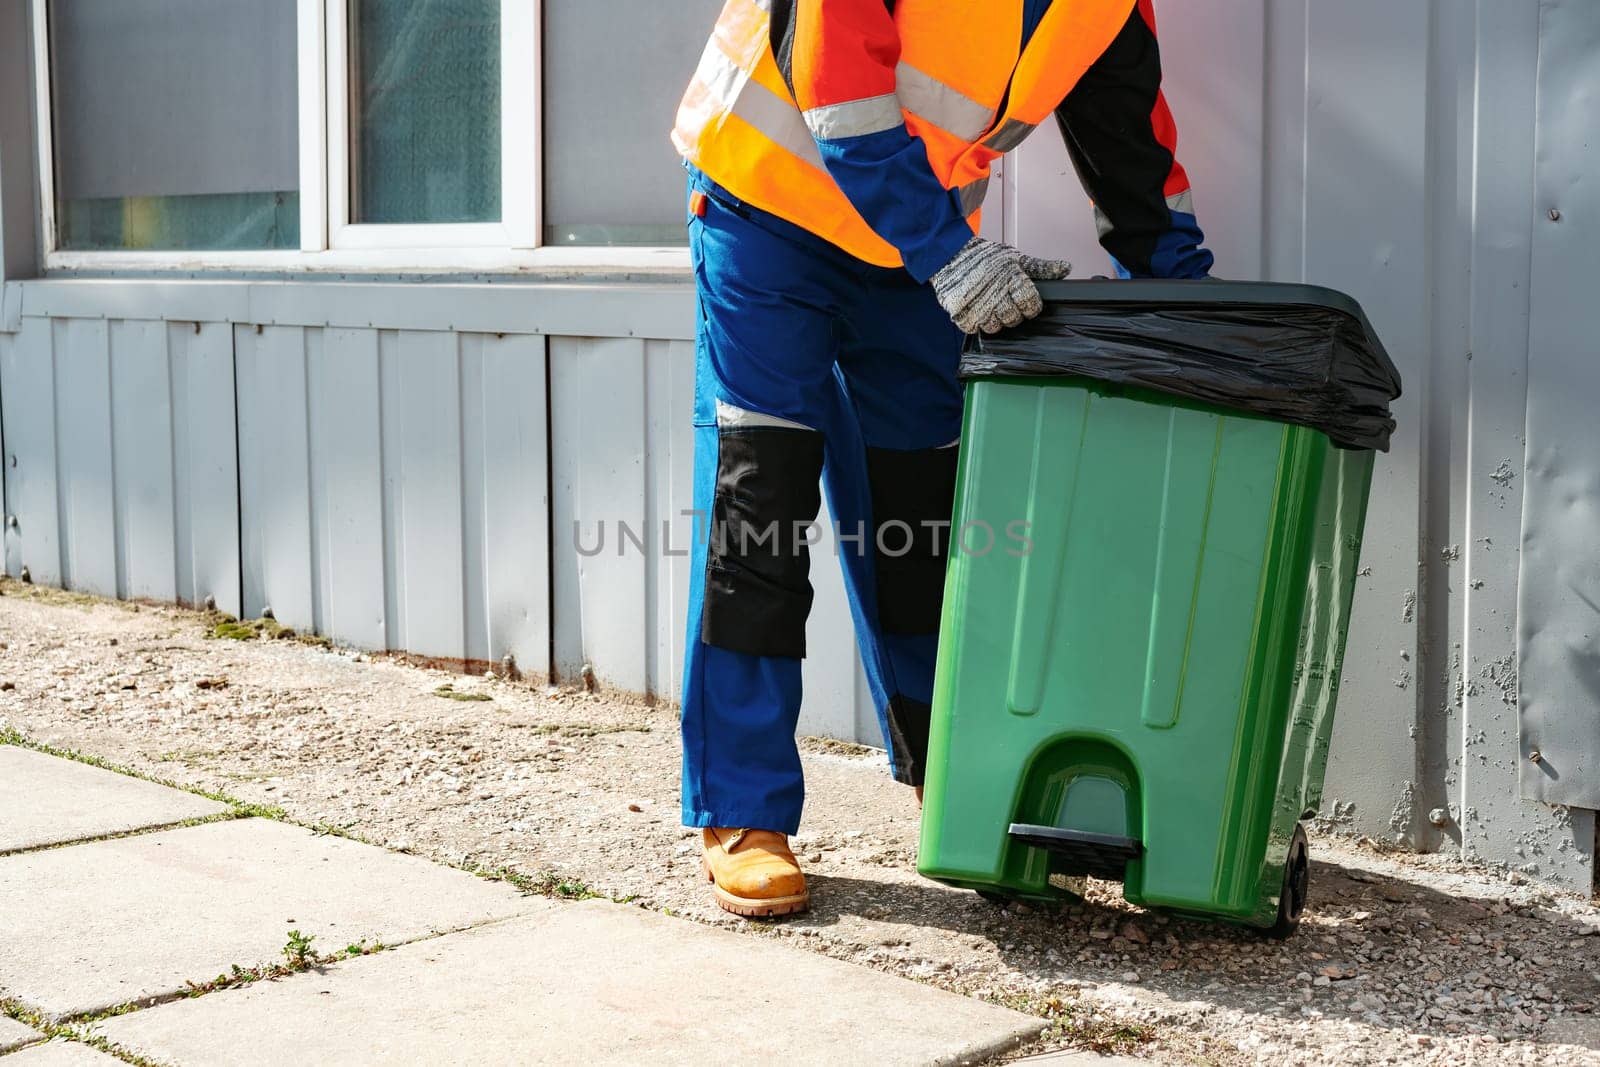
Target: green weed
449,692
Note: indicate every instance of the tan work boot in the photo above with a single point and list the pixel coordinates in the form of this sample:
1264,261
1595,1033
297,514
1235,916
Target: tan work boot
753,873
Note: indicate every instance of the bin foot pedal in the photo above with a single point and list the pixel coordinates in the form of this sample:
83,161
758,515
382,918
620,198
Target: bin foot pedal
1102,855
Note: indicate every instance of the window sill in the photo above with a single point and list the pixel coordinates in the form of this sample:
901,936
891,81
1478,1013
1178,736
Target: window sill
549,261
608,301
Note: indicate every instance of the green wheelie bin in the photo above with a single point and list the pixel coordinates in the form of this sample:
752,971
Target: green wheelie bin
1155,545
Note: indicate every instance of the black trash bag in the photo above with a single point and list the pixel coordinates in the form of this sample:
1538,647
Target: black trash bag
1294,353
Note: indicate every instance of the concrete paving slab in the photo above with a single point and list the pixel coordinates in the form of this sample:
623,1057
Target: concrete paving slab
593,983
14,1034
45,800
61,1053
111,922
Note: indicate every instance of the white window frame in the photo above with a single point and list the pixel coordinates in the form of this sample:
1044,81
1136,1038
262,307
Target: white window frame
328,239
520,133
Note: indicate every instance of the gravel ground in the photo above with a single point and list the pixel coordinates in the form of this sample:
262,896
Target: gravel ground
1401,959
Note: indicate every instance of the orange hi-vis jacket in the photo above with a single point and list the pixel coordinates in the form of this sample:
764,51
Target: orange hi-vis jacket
782,80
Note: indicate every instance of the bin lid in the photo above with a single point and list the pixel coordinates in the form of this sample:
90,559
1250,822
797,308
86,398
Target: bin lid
1295,353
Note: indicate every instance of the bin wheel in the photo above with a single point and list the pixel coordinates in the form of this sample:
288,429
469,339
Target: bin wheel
1296,884
999,900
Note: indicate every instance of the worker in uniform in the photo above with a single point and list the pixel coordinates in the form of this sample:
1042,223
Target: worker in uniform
838,153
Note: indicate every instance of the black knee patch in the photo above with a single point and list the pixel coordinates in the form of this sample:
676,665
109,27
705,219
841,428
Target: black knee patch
758,586
908,736
913,495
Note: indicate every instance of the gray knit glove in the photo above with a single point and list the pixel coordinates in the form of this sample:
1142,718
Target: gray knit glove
989,286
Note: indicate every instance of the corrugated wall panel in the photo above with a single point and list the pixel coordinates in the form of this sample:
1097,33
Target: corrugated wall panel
1488,815
402,503
346,400
598,433
9,547
513,525
1367,130
1214,59
669,494
1283,141
277,549
27,390
146,506
206,464
474,564
1446,414
84,464
566,602
425,473
1560,638
142,440
390,430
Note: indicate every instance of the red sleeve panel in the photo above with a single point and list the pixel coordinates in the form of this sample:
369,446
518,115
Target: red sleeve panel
835,51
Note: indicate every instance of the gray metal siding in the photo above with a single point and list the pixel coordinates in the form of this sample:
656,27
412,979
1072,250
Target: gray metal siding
206,467
1364,228
1560,610
510,435
599,401
1490,818
347,423
84,463
275,514
119,448
144,492
384,487
27,389
393,488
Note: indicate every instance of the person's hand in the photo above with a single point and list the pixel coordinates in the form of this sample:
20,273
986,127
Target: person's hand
989,286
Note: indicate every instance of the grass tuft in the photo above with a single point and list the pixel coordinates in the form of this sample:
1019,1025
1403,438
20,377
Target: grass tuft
298,950
1069,1026
251,629
227,628
75,1029
449,692
548,884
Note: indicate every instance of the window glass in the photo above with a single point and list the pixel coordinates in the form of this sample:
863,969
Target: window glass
425,99
176,124
613,75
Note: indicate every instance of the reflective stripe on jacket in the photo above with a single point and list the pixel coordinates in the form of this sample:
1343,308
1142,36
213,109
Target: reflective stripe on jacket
874,123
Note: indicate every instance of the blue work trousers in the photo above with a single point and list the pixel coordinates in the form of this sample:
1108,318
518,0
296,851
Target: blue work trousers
810,364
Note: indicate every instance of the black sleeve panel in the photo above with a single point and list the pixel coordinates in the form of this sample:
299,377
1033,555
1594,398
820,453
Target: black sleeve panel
782,37
1106,123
